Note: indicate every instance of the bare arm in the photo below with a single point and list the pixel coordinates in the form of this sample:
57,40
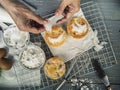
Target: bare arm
24,18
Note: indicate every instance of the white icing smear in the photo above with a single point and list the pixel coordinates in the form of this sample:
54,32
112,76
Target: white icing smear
54,40
33,57
79,28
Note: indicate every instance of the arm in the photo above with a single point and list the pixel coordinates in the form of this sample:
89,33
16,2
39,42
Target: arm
67,8
23,16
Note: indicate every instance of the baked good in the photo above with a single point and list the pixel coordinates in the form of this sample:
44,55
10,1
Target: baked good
32,57
15,38
56,37
77,27
54,68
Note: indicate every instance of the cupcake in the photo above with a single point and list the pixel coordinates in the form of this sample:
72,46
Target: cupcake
77,27
56,37
54,68
32,57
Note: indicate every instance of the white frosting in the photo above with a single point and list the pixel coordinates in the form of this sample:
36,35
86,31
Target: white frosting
79,28
15,38
33,57
54,40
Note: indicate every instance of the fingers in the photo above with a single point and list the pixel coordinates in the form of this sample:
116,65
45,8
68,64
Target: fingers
35,31
61,8
35,27
39,19
65,18
67,8
68,12
31,29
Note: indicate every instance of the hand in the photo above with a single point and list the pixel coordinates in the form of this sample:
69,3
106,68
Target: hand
24,18
67,9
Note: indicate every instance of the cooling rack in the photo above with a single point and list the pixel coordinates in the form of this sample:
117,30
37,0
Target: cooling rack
33,80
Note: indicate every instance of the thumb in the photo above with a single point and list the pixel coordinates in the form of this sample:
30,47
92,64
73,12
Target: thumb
60,9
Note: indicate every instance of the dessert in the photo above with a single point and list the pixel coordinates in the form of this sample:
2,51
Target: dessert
54,68
56,37
32,57
15,38
77,27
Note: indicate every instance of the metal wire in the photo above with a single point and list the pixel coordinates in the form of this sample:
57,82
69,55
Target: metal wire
31,79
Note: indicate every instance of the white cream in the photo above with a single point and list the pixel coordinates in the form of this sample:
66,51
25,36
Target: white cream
54,40
79,28
15,38
33,57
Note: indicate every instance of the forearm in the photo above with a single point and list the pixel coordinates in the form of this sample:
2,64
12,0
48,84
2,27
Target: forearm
13,7
7,4
1,1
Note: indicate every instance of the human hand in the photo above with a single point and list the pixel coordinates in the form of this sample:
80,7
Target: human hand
24,18
67,8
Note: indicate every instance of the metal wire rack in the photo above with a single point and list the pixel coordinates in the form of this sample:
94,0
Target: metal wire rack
84,83
33,80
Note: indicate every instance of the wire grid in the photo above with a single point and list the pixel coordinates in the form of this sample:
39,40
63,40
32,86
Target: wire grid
83,83
31,79
106,56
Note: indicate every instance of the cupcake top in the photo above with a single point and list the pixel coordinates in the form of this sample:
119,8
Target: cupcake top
56,37
77,27
54,68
